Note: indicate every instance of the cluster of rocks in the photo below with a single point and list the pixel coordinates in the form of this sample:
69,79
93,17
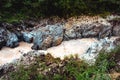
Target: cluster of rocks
105,45
45,34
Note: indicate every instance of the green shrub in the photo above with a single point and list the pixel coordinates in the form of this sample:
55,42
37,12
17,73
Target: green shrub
63,8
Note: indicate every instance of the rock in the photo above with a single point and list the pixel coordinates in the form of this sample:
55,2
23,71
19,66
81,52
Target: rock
19,35
12,40
57,41
28,36
89,30
51,35
105,44
70,34
3,37
117,41
56,31
47,42
38,40
116,28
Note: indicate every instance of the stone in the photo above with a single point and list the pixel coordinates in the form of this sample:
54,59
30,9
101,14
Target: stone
48,36
28,36
89,31
105,44
47,42
115,27
38,40
3,37
57,41
117,41
12,40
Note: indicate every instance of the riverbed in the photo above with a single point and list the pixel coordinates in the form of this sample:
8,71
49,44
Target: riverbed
66,48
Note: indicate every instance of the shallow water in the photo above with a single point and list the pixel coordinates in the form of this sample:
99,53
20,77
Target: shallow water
9,54
72,47
66,48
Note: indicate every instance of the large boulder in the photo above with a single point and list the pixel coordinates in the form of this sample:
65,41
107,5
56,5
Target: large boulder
51,35
12,40
89,30
56,31
7,35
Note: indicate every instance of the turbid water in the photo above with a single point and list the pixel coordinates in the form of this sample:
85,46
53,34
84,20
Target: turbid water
72,47
9,54
67,48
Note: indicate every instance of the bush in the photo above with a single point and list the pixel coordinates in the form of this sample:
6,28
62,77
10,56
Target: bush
64,8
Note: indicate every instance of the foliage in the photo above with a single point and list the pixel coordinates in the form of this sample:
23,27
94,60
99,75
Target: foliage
63,8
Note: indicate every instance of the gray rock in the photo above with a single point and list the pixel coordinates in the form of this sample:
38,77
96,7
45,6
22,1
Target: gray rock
115,27
89,30
12,40
56,31
3,37
116,30
51,35
38,40
28,36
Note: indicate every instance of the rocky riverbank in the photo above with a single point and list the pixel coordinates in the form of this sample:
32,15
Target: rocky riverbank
51,32
85,36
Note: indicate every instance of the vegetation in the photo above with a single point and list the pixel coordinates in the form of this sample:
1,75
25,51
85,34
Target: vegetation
15,10
49,68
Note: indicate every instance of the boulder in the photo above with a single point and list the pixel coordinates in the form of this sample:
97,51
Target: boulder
28,36
12,40
51,35
89,30
56,31
38,40
116,28
3,37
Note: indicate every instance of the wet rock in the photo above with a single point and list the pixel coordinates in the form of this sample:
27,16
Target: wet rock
105,44
89,30
47,42
38,40
56,31
12,40
42,41
57,41
48,36
117,41
116,28
19,35
28,36
3,37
